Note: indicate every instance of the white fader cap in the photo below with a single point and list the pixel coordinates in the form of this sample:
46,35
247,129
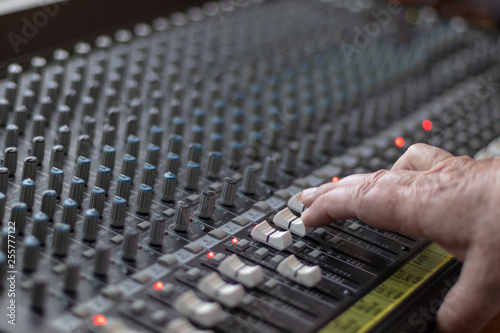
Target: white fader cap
295,204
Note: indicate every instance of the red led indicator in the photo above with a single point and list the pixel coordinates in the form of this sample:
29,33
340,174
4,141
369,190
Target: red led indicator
210,255
234,240
335,179
99,320
427,125
158,285
400,142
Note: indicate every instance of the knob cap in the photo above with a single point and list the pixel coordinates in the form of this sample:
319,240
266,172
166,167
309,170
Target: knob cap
175,144
250,180
18,216
153,154
72,277
123,186
64,137
168,186
144,196
76,190
290,159
214,164
4,179
235,151
307,149
133,145
228,192
156,135
130,245
10,160
117,215
324,139
157,231
103,178
83,168
60,242
192,176
101,262
31,251
90,225
57,157
11,136
173,162
178,126
40,223
270,170
108,157
27,193
195,151
49,198
129,164
56,180
39,293
148,175
39,124
181,218
29,167
207,204
216,142
84,146
69,211
97,199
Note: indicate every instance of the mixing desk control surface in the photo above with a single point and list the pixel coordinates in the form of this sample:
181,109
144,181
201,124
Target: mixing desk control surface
151,180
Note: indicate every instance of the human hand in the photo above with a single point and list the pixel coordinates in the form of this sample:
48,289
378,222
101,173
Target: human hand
453,201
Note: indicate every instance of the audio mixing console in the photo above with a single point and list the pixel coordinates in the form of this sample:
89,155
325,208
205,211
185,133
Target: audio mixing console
151,179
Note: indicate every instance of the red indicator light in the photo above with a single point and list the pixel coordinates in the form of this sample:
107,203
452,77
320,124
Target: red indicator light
158,285
427,125
234,240
400,142
335,179
99,320
210,255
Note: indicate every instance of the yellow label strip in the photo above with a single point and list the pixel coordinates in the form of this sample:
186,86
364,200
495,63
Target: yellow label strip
366,313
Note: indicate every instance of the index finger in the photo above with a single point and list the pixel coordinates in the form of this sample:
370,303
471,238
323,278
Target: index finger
421,157
386,204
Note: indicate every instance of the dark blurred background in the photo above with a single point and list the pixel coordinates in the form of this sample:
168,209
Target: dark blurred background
485,13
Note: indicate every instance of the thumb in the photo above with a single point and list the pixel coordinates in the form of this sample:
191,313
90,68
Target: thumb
472,301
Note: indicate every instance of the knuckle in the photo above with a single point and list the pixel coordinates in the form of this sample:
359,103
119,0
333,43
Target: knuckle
417,148
378,175
367,187
327,187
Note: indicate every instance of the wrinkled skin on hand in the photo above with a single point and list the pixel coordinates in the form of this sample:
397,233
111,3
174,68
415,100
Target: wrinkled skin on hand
429,193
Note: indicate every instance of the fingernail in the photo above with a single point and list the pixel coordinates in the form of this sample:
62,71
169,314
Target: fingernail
306,194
